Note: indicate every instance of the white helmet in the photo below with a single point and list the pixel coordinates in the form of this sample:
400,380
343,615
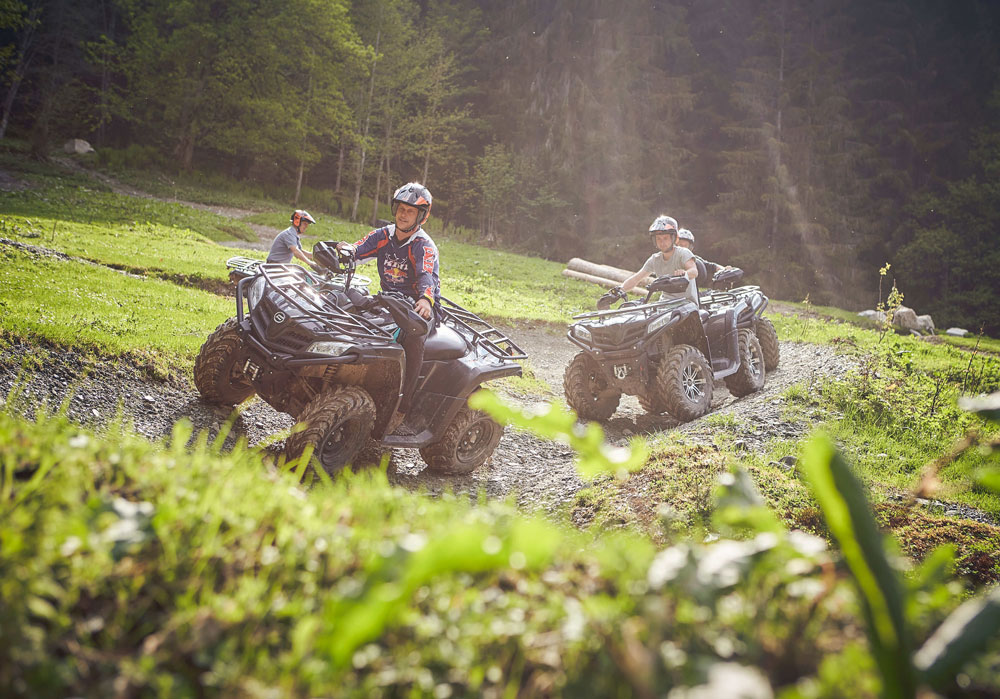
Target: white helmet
663,224
685,234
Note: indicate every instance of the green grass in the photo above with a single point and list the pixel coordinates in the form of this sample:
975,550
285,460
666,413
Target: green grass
75,203
74,304
144,248
175,569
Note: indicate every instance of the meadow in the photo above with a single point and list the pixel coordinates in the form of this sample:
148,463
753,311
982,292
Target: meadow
249,577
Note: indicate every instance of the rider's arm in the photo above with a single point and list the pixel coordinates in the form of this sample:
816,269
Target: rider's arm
425,264
370,244
301,254
634,280
691,269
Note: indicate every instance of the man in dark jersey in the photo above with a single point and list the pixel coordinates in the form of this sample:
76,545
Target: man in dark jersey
407,263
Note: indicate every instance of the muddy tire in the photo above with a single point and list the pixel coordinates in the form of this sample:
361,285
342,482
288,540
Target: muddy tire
468,442
749,378
684,380
767,336
653,404
338,424
218,368
588,390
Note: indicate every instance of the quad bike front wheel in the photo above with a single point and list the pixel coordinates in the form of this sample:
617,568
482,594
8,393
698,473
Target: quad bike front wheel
218,369
684,380
749,378
768,338
588,390
468,442
338,424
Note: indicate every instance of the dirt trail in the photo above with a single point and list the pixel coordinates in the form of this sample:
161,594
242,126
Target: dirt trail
539,472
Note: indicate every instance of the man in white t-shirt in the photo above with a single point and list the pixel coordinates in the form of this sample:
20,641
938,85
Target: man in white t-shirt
671,260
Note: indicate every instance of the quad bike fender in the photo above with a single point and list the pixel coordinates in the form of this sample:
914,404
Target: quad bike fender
443,390
723,339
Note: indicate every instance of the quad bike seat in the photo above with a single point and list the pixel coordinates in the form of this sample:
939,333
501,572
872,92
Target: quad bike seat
444,343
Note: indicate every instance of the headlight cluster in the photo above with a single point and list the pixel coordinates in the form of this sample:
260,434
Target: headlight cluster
333,348
582,333
256,291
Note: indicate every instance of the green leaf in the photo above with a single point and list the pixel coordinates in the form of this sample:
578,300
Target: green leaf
594,455
959,639
850,521
987,407
989,479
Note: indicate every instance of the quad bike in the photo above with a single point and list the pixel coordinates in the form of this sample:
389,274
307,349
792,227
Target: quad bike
725,292
667,353
323,350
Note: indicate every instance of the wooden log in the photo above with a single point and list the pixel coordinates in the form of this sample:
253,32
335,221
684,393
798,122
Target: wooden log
578,264
606,283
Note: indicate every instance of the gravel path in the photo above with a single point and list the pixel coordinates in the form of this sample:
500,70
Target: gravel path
538,473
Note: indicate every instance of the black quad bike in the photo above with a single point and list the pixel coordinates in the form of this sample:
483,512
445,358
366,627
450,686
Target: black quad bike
318,347
667,353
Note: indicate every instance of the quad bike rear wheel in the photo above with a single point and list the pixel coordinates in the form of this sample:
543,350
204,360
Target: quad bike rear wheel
338,424
468,442
768,338
684,380
749,378
588,390
218,369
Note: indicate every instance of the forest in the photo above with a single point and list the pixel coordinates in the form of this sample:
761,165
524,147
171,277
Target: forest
808,142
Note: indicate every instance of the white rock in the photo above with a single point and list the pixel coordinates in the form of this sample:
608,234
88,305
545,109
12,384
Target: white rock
925,324
957,332
78,146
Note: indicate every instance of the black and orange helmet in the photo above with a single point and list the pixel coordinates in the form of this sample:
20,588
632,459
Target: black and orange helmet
298,216
414,194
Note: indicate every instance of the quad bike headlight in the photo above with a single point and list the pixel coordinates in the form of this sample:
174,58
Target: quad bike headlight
332,348
256,291
582,333
659,323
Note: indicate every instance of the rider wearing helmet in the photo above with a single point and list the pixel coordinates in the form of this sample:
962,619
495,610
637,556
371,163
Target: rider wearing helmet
287,243
685,238
671,259
407,263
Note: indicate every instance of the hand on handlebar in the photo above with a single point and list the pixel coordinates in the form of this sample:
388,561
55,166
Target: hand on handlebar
423,308
347,249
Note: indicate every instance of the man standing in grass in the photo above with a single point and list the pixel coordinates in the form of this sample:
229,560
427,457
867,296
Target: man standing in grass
287,243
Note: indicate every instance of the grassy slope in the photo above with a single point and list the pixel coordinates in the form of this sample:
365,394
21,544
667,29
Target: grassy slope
228,581
164,324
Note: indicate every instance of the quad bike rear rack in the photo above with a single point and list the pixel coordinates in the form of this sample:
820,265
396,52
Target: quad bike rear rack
714,299
480,332
243,265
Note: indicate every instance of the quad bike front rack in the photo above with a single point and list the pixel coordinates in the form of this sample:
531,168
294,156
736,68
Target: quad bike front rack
293,283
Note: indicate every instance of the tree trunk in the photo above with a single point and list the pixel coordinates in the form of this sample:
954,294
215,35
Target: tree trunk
378,188
340,166
364,135
777,133
298,183
24,56
427,163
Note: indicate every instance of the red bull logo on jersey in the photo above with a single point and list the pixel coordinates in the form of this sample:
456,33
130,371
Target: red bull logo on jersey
395,270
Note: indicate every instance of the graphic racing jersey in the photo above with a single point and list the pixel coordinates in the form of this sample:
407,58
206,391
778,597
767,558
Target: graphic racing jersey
409,266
